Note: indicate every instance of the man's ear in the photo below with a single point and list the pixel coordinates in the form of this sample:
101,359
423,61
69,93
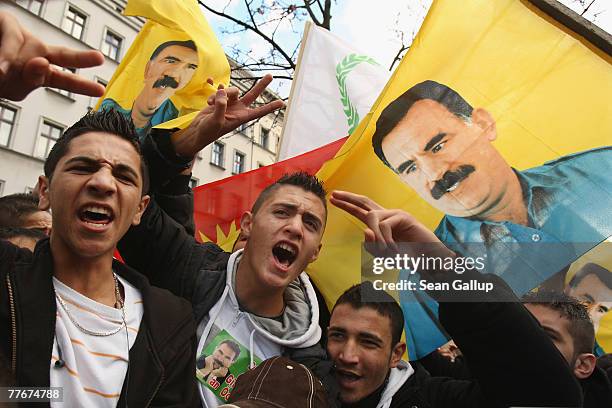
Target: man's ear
584,365
483,119
43,193
246,223
396,354
315,254
146,71
142,206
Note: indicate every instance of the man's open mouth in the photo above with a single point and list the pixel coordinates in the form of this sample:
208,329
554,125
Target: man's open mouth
347,376
284,253
96,215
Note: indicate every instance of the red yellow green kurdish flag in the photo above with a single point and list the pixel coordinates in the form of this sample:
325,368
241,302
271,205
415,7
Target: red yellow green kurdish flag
162,79
218,206
495,132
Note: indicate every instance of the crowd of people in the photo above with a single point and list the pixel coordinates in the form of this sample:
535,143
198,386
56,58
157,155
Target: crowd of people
182,323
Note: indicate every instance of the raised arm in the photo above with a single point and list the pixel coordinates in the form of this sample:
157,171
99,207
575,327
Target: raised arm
160,247
26,63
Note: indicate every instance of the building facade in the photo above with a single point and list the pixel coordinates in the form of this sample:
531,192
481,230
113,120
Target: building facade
29,128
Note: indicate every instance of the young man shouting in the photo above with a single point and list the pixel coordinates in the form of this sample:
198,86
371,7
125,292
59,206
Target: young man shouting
258,297
78,319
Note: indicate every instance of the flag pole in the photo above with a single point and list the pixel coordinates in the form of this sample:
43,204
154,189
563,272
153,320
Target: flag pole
296,73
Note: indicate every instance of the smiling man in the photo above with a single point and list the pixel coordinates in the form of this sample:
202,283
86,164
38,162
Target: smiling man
364,335
79,319
440,146
169,70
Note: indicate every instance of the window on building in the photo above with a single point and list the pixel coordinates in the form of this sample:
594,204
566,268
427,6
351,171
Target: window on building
246,129
238,166
265,138
74,22
92,99
1,187
63,91
49,134
111,47
194,182
34,6
7,123
216,156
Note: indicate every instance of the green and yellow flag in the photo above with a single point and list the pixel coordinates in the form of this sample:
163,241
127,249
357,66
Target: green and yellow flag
496,130
163,76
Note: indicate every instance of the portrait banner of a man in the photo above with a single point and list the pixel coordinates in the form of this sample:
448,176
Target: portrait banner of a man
495,131
163,75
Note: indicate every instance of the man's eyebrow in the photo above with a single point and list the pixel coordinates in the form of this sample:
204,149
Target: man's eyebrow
371,337
404,166
434,140
173,58
120,167
336,329
124,168
589,298
293,207
83,159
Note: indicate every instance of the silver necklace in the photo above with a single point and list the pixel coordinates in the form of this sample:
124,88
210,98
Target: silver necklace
118,301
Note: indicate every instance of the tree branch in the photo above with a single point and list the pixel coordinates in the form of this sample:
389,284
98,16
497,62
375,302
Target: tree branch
254,29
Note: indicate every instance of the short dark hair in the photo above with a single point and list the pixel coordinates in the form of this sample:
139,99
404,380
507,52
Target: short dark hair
602,274
396,110
107,121
233,345
364,295
9,233
187,44
301,179
15,207
580,325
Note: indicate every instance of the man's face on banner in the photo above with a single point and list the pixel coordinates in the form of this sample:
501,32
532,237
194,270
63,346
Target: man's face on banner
598,297
223,356
169,72
449,162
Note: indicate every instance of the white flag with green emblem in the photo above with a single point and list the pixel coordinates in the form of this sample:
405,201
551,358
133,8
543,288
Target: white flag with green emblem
333,88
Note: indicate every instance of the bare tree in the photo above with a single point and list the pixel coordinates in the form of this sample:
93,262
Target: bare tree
264,18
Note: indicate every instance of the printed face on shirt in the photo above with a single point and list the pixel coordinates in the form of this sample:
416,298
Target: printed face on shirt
360,345
223,356
95,194
448,161
284,236
168,72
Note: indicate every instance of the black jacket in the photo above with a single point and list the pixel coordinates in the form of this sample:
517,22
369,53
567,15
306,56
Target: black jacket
161,360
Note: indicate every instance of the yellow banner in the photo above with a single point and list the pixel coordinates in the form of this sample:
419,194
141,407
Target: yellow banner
489,92
163,75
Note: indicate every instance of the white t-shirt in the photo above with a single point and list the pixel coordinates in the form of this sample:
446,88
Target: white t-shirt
95,366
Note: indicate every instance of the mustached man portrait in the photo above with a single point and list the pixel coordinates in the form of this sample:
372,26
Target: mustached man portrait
169,69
